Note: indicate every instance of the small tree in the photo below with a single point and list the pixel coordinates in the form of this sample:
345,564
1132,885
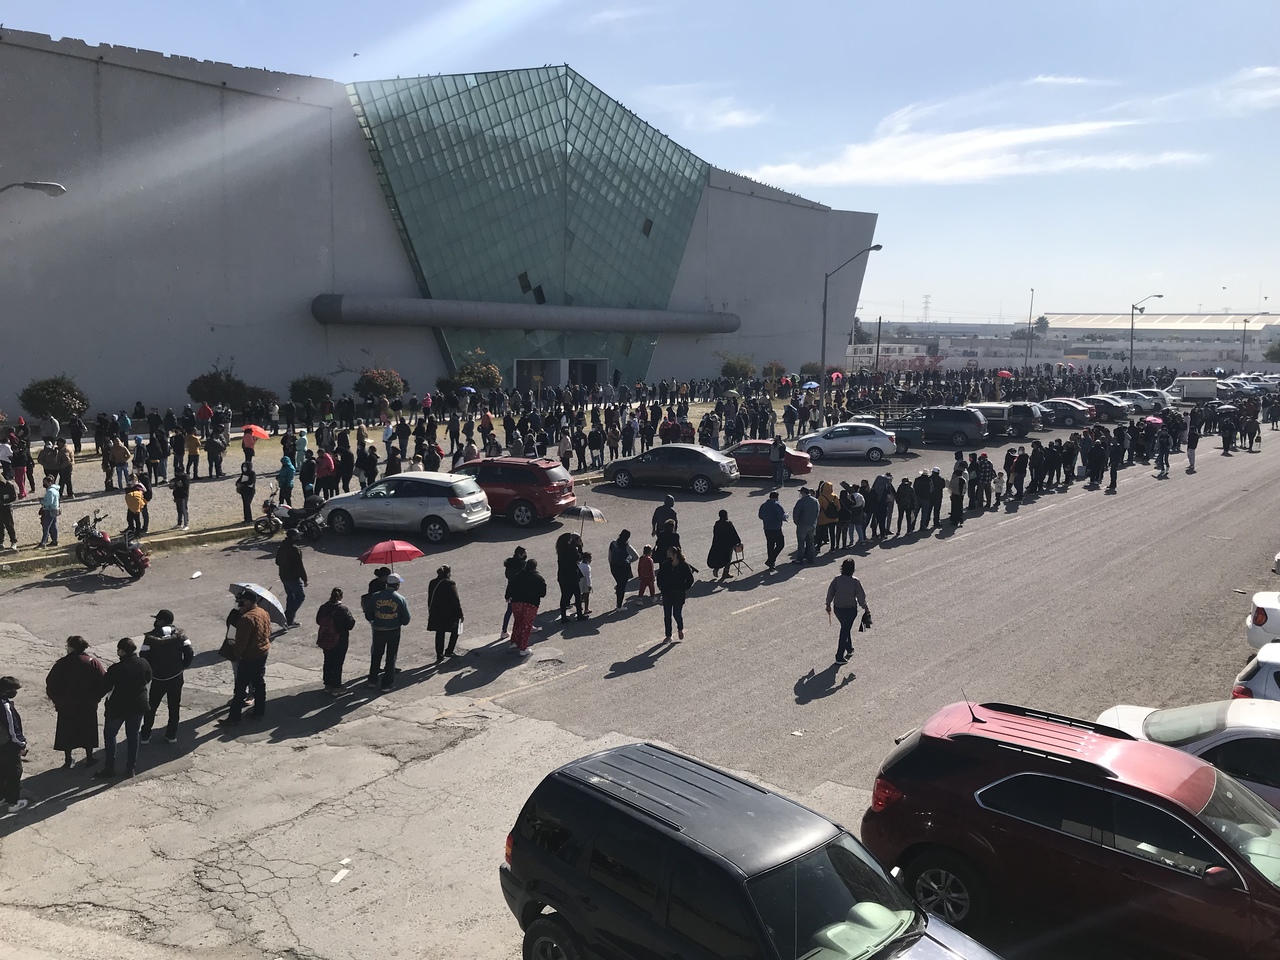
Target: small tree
58,397
219,386
1021,334
376,382
1272,355
310,386
773,369
1042,325
859,334
737,366
902,331
811,370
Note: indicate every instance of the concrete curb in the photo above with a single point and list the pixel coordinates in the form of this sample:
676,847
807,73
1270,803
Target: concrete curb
20,565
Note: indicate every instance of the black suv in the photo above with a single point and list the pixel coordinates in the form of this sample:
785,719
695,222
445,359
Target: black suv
638,853
954,425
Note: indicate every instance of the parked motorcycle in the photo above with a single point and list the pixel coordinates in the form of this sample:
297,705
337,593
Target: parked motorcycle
96,549
276,517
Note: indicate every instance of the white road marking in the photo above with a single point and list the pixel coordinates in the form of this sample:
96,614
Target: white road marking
1001,523
756,606
343,863
337,877
893,560
961,537
530,686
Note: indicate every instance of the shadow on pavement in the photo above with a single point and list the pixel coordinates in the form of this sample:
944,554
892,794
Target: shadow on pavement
640,662
814,686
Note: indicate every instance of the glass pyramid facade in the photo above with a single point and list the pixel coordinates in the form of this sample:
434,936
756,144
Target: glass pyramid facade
532,186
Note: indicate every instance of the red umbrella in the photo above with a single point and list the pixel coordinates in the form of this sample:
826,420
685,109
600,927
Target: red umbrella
837,376
392,552
1004,375
254,430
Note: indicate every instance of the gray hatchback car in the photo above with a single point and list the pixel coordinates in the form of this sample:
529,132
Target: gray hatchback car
675,465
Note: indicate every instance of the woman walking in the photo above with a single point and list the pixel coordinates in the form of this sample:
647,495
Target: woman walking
74,685
336,622
527,590
844,593
621,556
724,540
444,612
568,556
675,577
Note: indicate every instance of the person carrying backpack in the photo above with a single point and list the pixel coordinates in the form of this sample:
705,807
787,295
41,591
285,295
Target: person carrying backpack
335,624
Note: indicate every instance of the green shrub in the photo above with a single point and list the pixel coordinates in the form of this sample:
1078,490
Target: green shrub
375,382
737,366
310,386
58,397
773,369
260,395
219,386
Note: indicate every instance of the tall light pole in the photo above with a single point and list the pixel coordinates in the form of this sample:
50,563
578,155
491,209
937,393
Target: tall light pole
46,187
1026,364
1244,334
1134,310
822,352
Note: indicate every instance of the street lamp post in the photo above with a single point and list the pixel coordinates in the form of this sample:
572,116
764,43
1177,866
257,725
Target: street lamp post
1026,363
1134,310
1244,333
822,352
46,187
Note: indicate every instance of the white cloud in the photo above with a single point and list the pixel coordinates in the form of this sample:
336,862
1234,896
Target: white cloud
956,141
968,156
699,106
602,18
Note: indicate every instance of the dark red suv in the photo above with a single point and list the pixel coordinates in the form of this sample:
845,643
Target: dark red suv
523,489
994,805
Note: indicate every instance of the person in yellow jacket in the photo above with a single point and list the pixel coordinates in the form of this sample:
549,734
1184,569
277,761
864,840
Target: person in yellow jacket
193,454
135,499
828,513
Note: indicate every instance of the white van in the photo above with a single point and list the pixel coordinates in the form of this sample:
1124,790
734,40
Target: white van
1194,389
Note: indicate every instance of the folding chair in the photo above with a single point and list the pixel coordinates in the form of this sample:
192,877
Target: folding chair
737,563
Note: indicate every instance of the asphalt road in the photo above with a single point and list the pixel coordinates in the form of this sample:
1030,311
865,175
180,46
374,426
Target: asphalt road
1072,602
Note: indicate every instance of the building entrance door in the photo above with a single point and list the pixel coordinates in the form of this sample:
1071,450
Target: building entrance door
588,372
537,375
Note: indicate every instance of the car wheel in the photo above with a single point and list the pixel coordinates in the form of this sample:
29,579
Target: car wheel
435,530
875,454
550,938
786,474
947,886
1021,431
340,522
622,479
701,485
522,513
1068,420
959,438
815,453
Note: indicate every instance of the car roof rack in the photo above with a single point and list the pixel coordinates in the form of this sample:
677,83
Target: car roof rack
1099,728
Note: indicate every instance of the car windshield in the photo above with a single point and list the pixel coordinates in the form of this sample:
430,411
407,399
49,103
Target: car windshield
1183,725
834,903
1247,823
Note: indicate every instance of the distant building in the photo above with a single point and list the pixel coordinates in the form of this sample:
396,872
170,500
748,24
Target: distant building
296,225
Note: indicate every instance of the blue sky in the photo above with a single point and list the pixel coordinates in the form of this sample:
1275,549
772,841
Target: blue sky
1096,150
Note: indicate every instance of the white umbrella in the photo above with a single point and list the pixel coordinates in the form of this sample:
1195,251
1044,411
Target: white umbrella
585,513
266,599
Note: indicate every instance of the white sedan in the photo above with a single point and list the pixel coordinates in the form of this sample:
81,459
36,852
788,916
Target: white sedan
848,440
1140,401
1262,625
1240,737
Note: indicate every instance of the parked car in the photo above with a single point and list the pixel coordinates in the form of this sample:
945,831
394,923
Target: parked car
1008,419
1046,415
1137,399
523,489
1239,737
752,458
954,425
674,465
1110,409
1069,411
434,504
849,440
1260,678
639,853
1262,625
995,806
1163,398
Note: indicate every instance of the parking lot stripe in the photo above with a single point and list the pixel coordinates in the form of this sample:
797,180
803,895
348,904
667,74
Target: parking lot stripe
756,606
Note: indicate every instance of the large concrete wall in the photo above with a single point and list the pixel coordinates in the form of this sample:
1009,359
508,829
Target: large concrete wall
761,253
206,206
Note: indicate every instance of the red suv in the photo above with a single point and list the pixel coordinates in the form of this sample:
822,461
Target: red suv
991,804
524,490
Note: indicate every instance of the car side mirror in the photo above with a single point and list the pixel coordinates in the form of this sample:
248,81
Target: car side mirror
1219,877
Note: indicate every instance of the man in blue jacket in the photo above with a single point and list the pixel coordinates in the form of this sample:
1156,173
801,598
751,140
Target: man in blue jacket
387,611
773,515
